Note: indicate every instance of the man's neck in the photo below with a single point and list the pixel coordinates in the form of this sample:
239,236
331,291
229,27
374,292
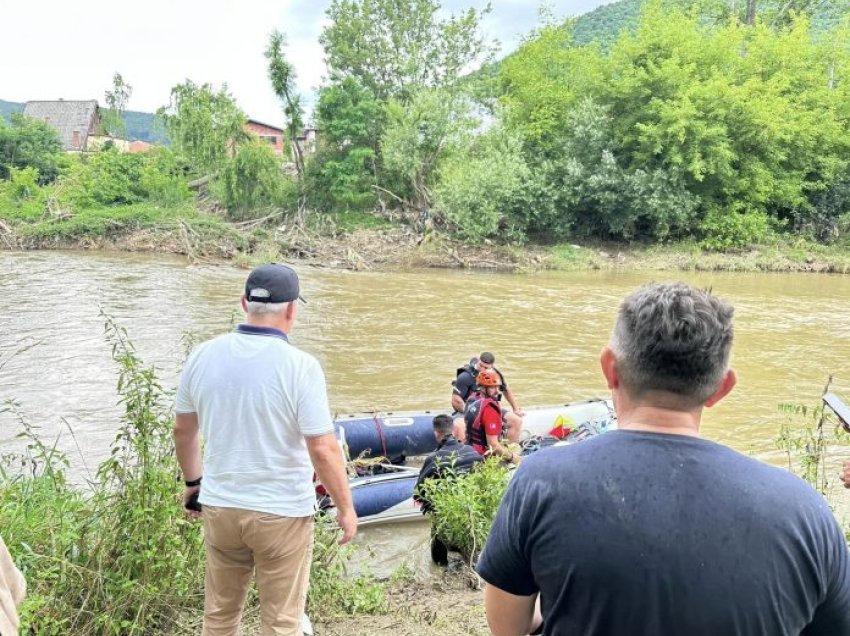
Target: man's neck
268,321
654,419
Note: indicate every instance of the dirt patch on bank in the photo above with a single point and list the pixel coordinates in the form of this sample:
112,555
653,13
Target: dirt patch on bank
403,247
448,606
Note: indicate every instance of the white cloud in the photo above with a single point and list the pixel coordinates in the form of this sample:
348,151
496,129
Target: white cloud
70,49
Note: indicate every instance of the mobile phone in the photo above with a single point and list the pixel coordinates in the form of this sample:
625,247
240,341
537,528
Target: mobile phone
193,503
839,408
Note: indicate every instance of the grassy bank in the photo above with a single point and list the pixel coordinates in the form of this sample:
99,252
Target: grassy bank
362,241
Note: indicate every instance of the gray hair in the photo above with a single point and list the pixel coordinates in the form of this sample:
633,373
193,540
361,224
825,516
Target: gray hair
255,308
675,339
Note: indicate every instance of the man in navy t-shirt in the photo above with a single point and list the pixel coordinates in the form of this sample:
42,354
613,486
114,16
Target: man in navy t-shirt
651,530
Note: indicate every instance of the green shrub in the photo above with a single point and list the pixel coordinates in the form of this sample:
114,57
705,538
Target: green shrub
464,507
162,178
734,230
29,143
481,187
332,591
253,181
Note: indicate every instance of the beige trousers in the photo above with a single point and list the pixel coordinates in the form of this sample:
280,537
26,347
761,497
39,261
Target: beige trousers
280,549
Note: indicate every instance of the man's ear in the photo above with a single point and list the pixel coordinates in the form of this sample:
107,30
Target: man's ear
608,362
730,379
244,302
290,310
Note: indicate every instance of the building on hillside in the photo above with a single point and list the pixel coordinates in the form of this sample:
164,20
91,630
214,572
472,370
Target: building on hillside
98,142
271,134
75,121
139,146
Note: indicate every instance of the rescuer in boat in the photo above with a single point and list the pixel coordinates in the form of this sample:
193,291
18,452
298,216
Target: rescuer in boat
465,387
451,459
483,417
451,456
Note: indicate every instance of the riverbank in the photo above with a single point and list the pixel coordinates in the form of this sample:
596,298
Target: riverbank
365,242
450,605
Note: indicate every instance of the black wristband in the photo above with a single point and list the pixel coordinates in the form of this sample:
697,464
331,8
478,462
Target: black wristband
193,482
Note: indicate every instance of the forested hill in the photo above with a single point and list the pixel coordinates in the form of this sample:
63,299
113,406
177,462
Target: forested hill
605,23
7,108
139,125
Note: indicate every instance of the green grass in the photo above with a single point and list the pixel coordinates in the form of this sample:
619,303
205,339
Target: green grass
786,254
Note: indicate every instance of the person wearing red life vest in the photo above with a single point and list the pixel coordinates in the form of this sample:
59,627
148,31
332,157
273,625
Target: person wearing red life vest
483,417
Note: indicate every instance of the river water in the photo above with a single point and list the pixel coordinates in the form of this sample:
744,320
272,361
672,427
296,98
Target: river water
391,340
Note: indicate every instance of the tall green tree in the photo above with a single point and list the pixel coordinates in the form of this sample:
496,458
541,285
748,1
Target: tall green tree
282,76
345,171
205,125
112,119
394,47
386,58
421,134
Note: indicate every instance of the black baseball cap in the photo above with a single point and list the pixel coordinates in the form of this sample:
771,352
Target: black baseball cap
272,283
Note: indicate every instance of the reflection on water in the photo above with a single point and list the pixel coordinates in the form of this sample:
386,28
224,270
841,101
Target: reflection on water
391,340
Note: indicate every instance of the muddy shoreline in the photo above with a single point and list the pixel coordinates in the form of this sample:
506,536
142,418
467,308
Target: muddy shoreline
403,248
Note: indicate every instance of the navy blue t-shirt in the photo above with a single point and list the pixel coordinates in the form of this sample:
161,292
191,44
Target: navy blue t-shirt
634,533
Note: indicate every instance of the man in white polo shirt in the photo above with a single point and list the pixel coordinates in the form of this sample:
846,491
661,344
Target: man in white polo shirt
261,407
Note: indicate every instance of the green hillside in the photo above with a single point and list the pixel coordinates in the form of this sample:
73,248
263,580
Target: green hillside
604,24
7,108
139,125
144,126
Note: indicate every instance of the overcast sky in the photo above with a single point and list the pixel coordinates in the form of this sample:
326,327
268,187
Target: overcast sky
71,48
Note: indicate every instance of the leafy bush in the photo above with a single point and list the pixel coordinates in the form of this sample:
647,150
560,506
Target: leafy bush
253,180
111,177
332,592
481,187
162,178
463,508
29,143
593,195
342,173
734,230
420,134
21,197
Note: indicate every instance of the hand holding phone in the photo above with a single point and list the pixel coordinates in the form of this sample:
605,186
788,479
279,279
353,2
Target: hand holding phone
192,503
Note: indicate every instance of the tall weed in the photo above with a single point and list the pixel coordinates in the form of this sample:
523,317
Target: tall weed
463,508
121,559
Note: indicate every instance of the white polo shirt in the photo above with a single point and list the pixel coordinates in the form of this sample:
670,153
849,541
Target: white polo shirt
256,397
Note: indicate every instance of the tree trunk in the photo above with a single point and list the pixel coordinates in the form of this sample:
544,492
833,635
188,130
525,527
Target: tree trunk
751,12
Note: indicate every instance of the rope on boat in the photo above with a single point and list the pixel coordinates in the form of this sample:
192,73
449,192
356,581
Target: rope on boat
383,439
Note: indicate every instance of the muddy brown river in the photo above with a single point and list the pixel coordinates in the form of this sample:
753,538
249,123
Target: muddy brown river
391,340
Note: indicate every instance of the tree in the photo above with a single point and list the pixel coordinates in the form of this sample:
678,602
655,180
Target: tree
344,170
26,142
282,76
113,119
204,125
397,46
419,135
